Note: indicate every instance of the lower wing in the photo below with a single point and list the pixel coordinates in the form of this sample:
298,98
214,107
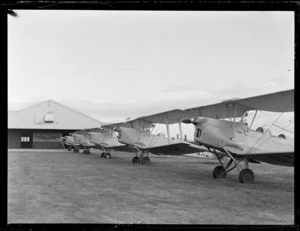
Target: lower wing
284,159
120,147
176,149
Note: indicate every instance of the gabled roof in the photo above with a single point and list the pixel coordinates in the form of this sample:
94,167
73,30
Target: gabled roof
52,101
32,117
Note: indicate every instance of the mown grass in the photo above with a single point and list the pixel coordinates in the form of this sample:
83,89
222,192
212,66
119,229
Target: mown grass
65,187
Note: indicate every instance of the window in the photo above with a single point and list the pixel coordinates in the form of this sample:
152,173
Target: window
49,118
25,139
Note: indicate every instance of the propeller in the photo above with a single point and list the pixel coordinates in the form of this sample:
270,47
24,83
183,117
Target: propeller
188,121
197,120
116,129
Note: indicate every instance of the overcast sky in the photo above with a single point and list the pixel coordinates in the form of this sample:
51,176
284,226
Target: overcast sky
112,65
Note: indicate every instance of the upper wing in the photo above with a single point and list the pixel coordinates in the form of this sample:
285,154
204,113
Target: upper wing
276,102
140,123
112,125
86,131
282,101
170,117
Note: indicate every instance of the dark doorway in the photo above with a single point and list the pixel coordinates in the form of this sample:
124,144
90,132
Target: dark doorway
26,140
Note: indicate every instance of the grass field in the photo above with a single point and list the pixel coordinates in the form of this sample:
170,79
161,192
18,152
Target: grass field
57,186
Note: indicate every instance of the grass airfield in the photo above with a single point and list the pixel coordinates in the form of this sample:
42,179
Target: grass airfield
58,186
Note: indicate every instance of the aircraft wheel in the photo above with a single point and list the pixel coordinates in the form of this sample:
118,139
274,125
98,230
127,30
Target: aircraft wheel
102,154
218,172
84,152
146,160
69,149
107,156
135,160
76,150
246,176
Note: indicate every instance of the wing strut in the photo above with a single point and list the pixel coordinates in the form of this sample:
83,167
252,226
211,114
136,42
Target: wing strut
180,130
168,129
253,119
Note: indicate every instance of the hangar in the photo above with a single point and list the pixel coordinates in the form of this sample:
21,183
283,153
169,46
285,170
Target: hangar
41,125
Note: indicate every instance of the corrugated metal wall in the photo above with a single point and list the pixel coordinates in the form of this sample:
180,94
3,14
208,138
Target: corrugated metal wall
41,139
47,139
14,139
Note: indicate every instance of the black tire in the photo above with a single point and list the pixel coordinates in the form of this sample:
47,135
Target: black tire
247,176
219,172
102,154
69,149
107,156
84,152
145,161
135,160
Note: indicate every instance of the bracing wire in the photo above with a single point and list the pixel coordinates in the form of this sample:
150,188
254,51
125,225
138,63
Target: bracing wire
266,132
277,133
152,138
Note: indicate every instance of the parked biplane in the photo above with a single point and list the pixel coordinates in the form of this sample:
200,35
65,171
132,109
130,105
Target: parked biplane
81,140
236,140
69,142
107,140
218,130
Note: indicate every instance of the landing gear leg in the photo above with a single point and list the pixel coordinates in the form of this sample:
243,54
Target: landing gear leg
246,175
145,160
219,172
135,160
107,155
142,158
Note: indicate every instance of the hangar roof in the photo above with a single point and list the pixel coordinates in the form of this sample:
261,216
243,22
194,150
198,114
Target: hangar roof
50,115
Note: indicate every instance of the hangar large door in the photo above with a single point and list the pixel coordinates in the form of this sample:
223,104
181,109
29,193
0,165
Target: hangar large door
47,140
26,139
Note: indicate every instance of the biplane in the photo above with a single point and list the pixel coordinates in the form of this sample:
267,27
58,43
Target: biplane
137,134
81,140
69,142
238,141
107,140
219,131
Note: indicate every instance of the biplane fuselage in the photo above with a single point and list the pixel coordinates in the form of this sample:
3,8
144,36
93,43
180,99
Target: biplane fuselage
104,139
156,144
143,139
237,138
69,140
83,140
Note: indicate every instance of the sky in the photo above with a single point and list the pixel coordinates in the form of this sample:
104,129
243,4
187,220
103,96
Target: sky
112,65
